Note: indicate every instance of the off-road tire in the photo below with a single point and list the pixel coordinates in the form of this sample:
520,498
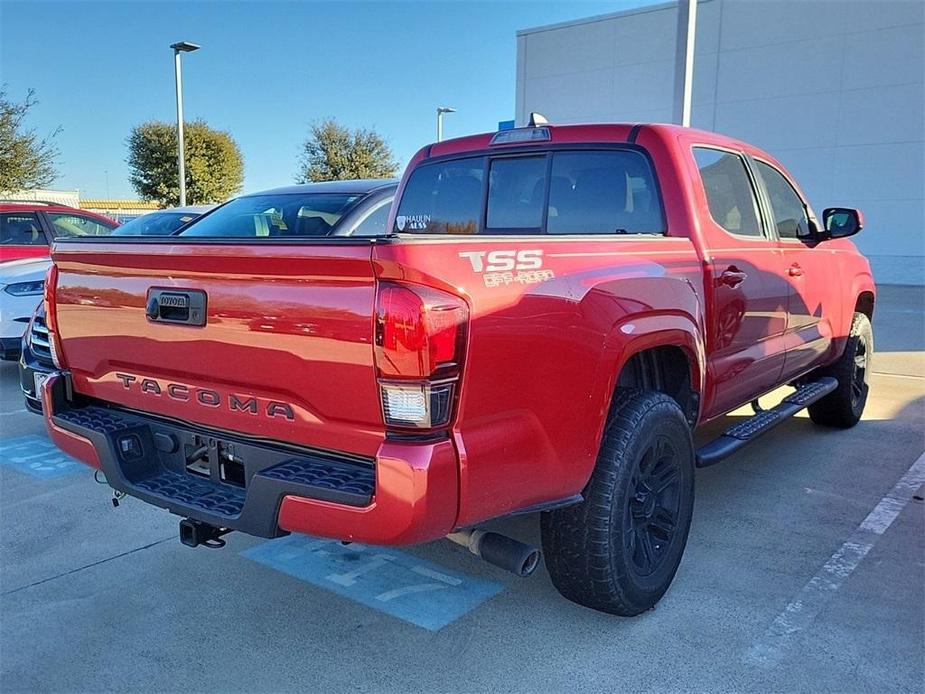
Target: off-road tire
593,549
844,406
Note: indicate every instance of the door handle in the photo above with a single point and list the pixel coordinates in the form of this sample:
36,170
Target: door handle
795,270
732,276
187,306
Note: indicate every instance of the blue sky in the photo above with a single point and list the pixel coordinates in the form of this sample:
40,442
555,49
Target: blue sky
266,71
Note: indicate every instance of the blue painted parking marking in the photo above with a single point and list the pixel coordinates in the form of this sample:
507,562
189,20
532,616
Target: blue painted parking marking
37,456
399,584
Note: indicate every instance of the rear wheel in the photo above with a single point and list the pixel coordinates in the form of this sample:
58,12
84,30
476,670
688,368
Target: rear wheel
619,549
844,406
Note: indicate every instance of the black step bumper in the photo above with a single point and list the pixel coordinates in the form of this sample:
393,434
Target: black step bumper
240,482
407,493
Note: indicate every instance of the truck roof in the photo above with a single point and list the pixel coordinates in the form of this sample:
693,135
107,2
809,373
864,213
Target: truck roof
360,186
580,133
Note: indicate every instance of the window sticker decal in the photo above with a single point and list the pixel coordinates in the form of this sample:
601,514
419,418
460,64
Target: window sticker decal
412,222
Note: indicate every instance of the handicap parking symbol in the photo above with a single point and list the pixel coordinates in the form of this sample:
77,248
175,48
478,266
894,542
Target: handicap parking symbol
394,582
37,456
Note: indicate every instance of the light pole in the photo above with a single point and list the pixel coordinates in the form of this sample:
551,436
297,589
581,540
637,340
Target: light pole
684,61
178,48
440,111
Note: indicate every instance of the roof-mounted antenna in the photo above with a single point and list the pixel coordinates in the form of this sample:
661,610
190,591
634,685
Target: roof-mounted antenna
537,119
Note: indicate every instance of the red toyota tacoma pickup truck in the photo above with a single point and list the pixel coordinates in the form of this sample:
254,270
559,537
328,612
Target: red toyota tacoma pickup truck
552,312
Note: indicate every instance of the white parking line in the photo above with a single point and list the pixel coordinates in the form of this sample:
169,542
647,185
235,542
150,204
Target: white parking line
802,610
11,412
892,375
910,311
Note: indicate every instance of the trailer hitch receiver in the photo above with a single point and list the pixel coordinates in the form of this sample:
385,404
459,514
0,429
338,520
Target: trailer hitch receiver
194,533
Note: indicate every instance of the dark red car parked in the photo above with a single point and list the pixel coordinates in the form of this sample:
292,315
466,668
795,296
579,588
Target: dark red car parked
28,228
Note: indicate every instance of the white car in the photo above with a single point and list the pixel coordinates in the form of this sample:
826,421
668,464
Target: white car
21,284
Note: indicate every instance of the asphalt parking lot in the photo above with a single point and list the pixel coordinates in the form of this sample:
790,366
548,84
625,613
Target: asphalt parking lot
805,570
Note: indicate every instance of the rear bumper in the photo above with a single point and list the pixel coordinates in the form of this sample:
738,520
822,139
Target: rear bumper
407,494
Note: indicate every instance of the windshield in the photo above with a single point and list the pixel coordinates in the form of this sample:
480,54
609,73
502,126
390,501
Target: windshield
155,224
290,215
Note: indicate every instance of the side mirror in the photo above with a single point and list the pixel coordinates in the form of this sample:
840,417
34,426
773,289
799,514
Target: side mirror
840,222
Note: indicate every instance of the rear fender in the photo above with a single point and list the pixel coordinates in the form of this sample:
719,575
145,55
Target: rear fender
635,334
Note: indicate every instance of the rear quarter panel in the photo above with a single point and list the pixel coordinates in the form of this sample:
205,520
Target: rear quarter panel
543,356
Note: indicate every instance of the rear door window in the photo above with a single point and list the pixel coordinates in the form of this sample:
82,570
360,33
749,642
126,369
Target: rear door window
729,191
21,229
443,198
603,193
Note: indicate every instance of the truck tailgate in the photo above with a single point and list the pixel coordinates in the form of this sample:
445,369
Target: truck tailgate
285,351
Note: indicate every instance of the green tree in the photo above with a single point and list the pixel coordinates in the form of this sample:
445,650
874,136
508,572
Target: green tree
334,152
214,166
26,161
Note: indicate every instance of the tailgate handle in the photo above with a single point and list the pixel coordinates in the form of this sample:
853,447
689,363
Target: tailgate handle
186,307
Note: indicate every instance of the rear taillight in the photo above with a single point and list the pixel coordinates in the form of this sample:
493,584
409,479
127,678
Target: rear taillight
420,343
51,315
419,330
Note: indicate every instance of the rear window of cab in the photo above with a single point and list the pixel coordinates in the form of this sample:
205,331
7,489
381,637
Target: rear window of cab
559,192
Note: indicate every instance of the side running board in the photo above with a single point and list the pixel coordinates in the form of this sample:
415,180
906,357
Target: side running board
745,432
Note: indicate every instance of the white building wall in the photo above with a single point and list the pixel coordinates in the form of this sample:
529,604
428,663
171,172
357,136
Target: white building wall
832,88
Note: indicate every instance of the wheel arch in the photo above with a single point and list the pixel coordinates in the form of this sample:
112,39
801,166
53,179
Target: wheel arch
865,303
666,369
663,352
864,293
861,299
